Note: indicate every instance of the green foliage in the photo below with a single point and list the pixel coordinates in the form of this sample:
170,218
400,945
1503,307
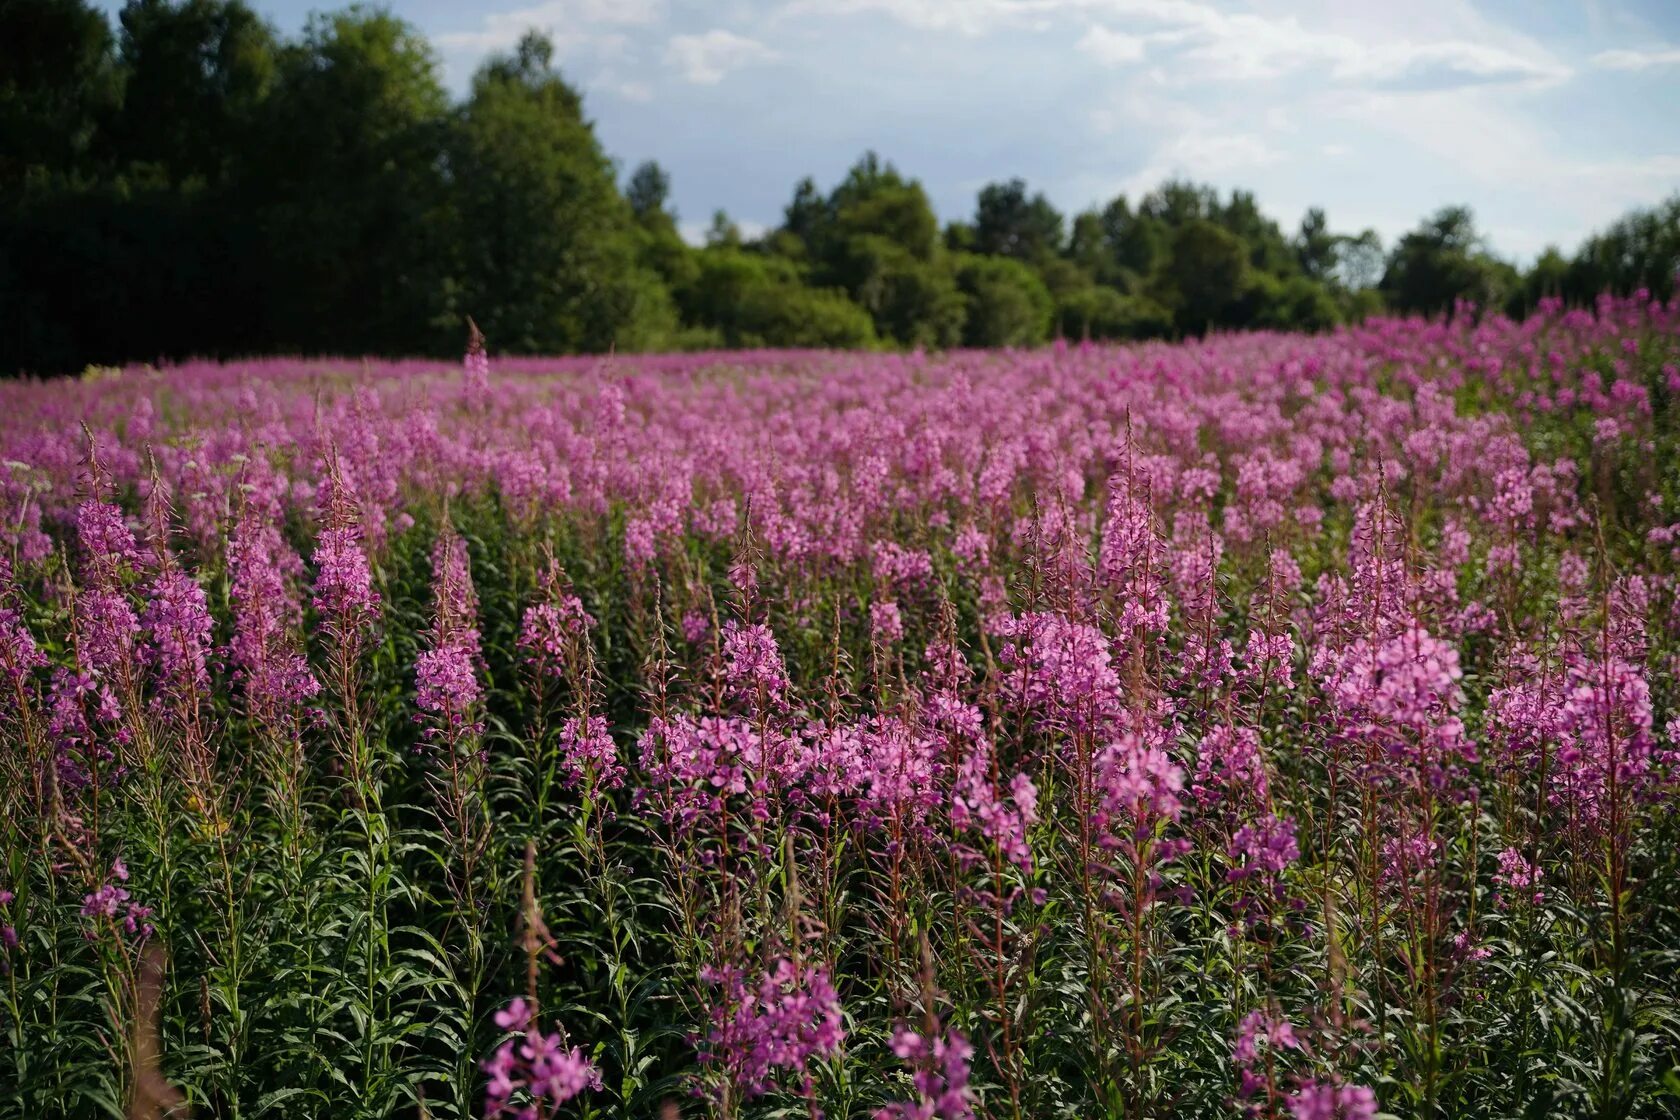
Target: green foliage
1205,276
757,300
875,201
1296,303
549,255
1098,312
912,300
1009,224
1007,304
1315,245
196,75
58,84
1440,263
363,222
647,192
1642,250
192,184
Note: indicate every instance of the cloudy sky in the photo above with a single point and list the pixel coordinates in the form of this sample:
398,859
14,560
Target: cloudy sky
1549,117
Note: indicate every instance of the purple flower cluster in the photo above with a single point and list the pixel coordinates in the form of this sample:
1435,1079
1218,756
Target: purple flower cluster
266,651
78,706
1328,1100
343,593
698,765
179,633
446,675
1263,847
475,372
886,624
940,1074
114,905
550,628
1517,875
1262,1040
8,934
588,753
753,666
533,1073
779,1023
1130,559
446,682
1061,671
1001,816
19,654
1141,787
106,628
1230,769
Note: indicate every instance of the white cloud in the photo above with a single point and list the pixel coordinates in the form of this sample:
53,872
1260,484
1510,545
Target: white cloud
1495,146
1228,44
706,59
970,17
1245,45
1201,156
1378,112
1637,60
1112,48
569,23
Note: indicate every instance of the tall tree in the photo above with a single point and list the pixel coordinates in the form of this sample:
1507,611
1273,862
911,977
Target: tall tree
1315,245
874,200
350,188
648,192
195,76
1178,202
1441,262
58,84
549,263
1268,250
807,212
1008,223
876,238
1137,244
1008,304
1640,250
1205,275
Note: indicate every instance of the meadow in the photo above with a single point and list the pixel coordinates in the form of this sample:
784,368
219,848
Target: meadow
1267,725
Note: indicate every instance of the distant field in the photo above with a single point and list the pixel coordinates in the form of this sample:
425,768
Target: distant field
1271,725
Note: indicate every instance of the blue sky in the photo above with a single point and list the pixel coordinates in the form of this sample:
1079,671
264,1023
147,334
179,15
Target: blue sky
1548,117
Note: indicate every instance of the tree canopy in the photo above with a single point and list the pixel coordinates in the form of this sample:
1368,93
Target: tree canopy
186,181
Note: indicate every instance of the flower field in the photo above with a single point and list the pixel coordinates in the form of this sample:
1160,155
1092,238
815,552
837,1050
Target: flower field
1271,725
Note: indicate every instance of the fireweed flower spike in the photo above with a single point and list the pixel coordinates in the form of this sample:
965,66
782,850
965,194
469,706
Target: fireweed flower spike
1319,1100
265,650
176,624
446,674
20,654
348,610
475,369
533,1073
940,1075
344,594
779,1022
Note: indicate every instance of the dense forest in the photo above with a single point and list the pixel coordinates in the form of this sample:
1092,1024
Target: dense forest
189,182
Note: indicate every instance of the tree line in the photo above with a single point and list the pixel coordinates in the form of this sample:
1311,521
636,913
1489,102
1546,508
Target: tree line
189,182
